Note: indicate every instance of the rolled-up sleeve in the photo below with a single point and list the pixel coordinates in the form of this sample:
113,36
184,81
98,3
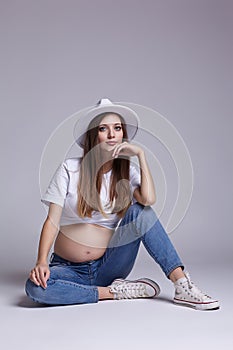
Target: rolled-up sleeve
58,187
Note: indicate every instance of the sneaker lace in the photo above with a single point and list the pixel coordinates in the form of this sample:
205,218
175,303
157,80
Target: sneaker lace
195,290
126,290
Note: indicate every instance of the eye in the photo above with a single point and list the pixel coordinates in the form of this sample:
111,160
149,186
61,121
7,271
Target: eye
118,128
102,128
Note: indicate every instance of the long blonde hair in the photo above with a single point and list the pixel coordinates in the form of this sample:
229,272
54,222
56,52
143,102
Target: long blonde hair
91,173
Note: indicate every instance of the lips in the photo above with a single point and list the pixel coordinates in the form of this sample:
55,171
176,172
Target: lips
111,143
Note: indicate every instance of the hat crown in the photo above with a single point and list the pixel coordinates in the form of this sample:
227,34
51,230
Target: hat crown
104,102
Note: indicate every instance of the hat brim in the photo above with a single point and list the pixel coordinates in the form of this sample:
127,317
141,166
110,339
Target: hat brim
130,117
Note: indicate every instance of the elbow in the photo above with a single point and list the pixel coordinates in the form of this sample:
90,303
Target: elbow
144,197
148,201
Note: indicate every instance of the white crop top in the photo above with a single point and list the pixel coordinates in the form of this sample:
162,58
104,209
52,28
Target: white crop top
62,190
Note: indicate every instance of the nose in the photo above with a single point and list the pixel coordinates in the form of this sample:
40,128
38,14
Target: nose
111,133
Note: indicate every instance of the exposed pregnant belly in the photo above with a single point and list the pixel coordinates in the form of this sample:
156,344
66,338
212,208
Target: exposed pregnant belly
82,242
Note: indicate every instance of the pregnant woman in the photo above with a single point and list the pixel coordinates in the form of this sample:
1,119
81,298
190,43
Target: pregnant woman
99,213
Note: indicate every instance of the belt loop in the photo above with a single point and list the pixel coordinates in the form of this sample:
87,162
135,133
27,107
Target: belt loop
51,257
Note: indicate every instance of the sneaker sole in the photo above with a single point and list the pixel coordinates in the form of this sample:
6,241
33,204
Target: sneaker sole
148,281
198,306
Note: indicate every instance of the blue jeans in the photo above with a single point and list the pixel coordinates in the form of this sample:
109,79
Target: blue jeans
76,283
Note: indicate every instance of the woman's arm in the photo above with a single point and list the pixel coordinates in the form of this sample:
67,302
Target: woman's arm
40,273
145,194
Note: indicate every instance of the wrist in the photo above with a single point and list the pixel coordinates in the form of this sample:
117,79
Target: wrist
141,154
41,262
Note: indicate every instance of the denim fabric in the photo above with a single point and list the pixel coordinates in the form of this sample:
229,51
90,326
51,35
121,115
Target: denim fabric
76,283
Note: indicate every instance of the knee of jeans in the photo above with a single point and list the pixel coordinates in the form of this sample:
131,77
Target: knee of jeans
142,213
146,219
33,291
135,209
149,212
30,287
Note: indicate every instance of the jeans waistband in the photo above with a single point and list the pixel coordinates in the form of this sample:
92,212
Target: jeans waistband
57,258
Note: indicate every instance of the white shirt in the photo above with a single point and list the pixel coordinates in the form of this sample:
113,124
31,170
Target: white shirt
62,190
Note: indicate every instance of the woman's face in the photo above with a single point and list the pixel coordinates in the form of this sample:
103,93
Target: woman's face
110,132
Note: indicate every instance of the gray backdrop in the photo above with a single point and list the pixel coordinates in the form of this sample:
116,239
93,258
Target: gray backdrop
173,56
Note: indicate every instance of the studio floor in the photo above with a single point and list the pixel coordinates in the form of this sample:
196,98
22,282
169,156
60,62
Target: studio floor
127,324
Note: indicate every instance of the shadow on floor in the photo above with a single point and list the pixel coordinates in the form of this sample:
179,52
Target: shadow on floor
26,302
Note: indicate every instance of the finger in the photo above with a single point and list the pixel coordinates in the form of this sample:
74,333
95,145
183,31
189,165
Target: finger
114,151
47,274
44,277
41,277
38,276
118,149
33,278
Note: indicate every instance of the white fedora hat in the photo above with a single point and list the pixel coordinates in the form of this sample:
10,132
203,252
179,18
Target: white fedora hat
106,106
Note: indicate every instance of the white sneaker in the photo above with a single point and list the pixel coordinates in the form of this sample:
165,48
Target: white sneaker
141,288
187,293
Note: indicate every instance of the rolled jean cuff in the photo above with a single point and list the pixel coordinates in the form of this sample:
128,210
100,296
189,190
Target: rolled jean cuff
96,295
169,270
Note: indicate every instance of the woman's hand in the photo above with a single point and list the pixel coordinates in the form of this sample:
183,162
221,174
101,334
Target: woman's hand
145,193
126,149
40,274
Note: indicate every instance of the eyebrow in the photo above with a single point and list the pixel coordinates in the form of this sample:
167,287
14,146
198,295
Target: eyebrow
110,124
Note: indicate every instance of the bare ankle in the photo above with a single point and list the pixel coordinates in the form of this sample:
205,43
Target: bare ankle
176,274
104,293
